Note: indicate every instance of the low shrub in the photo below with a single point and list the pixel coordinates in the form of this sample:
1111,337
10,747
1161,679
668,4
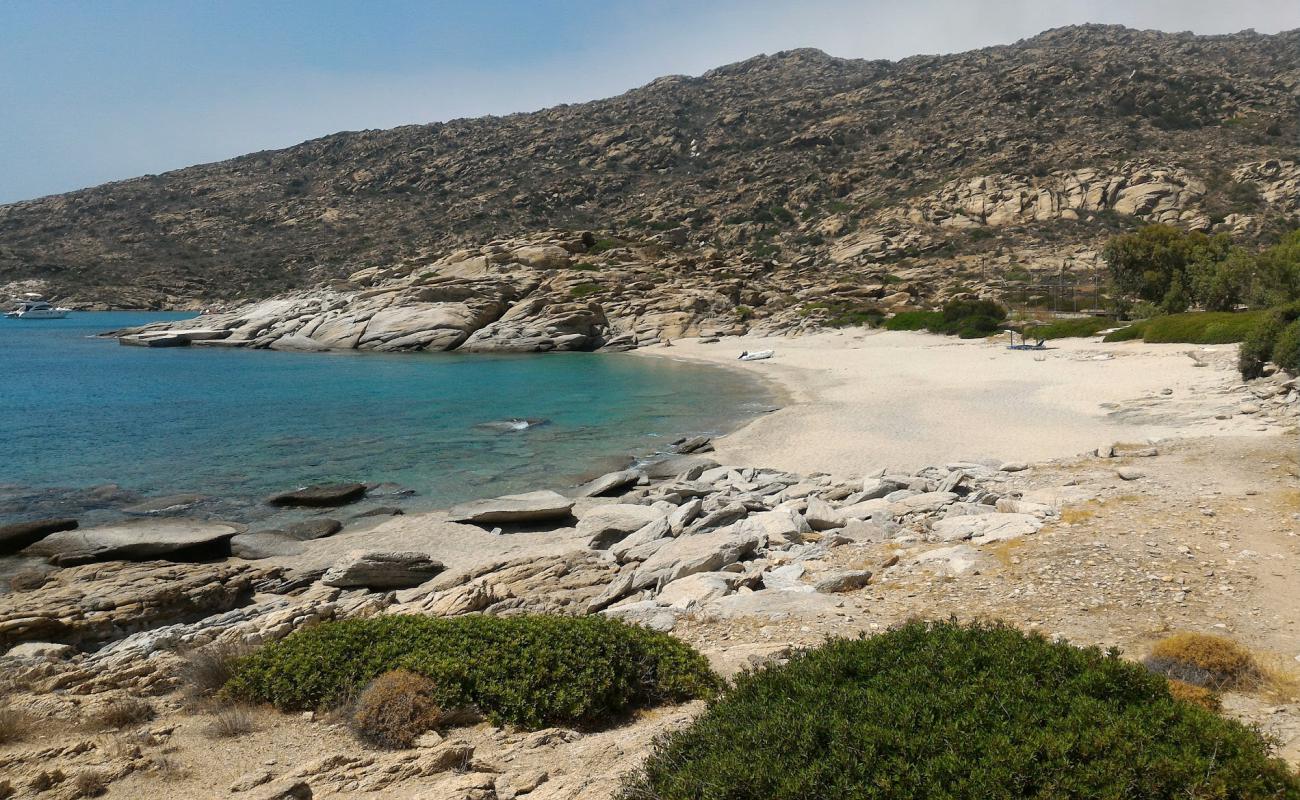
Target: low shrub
958,712
1286,353
1257,349
123,712
1129,333
846,314
395,708
1203,327
1069,328
531,671
1200,659
913,320
15,725
584,290
968,319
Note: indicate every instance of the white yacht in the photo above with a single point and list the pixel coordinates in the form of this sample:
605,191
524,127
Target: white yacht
34,307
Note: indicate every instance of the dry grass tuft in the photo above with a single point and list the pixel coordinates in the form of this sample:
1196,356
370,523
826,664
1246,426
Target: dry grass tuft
1196,695
169,768
123,712
208,668
1076,515
395,709
229,723
1213,662
15,725
90,783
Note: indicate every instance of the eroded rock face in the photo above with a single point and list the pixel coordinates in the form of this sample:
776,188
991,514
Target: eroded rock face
95,603
381,569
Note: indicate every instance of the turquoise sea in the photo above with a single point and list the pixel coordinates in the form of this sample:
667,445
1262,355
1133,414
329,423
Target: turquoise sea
87,426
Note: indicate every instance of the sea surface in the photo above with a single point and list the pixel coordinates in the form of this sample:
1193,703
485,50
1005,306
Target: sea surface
88,426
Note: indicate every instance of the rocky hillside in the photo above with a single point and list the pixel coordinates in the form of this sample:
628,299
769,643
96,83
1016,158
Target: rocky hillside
991,169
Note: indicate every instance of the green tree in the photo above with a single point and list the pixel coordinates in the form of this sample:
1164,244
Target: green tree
1156,263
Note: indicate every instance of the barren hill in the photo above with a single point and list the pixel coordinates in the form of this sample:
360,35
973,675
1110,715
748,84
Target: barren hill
799,159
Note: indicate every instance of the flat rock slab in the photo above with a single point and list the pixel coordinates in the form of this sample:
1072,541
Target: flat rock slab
171,504
381,569
774,604
136,540
985,527
324,496
606,525
528,507
679,465
22,534
265,544
608,483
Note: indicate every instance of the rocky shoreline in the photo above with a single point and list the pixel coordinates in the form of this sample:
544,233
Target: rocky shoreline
744,561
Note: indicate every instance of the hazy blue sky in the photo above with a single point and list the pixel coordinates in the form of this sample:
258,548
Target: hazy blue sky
97,90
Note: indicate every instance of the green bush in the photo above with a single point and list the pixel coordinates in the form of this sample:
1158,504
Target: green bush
1203,327
1286,353
1069,328
1261,346
585,290
1193,327
531,671
845,314
941,710
913,320
1128,334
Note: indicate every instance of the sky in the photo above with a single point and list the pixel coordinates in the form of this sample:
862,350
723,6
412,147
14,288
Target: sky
99,90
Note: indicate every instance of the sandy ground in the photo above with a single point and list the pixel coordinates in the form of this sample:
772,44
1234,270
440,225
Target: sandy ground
863,400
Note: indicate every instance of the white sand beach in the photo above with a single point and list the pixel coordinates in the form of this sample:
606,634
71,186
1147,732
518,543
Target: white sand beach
860,400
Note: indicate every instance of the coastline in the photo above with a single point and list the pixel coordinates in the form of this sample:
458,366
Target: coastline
858,401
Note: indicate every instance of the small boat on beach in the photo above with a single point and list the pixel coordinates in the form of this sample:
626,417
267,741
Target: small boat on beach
33,306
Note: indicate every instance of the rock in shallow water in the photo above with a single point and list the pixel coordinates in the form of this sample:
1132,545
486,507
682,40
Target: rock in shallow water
323,496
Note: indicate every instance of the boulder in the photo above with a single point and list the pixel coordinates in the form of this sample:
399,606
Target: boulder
381,569
780,528
321,496
732,512
317,528
698,588
821,516
705,552
528,507
40,651
842,581
606,525
673,466
653,531
21,534
134,540
608,483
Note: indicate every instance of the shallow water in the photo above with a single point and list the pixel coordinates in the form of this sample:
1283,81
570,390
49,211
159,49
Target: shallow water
79,412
